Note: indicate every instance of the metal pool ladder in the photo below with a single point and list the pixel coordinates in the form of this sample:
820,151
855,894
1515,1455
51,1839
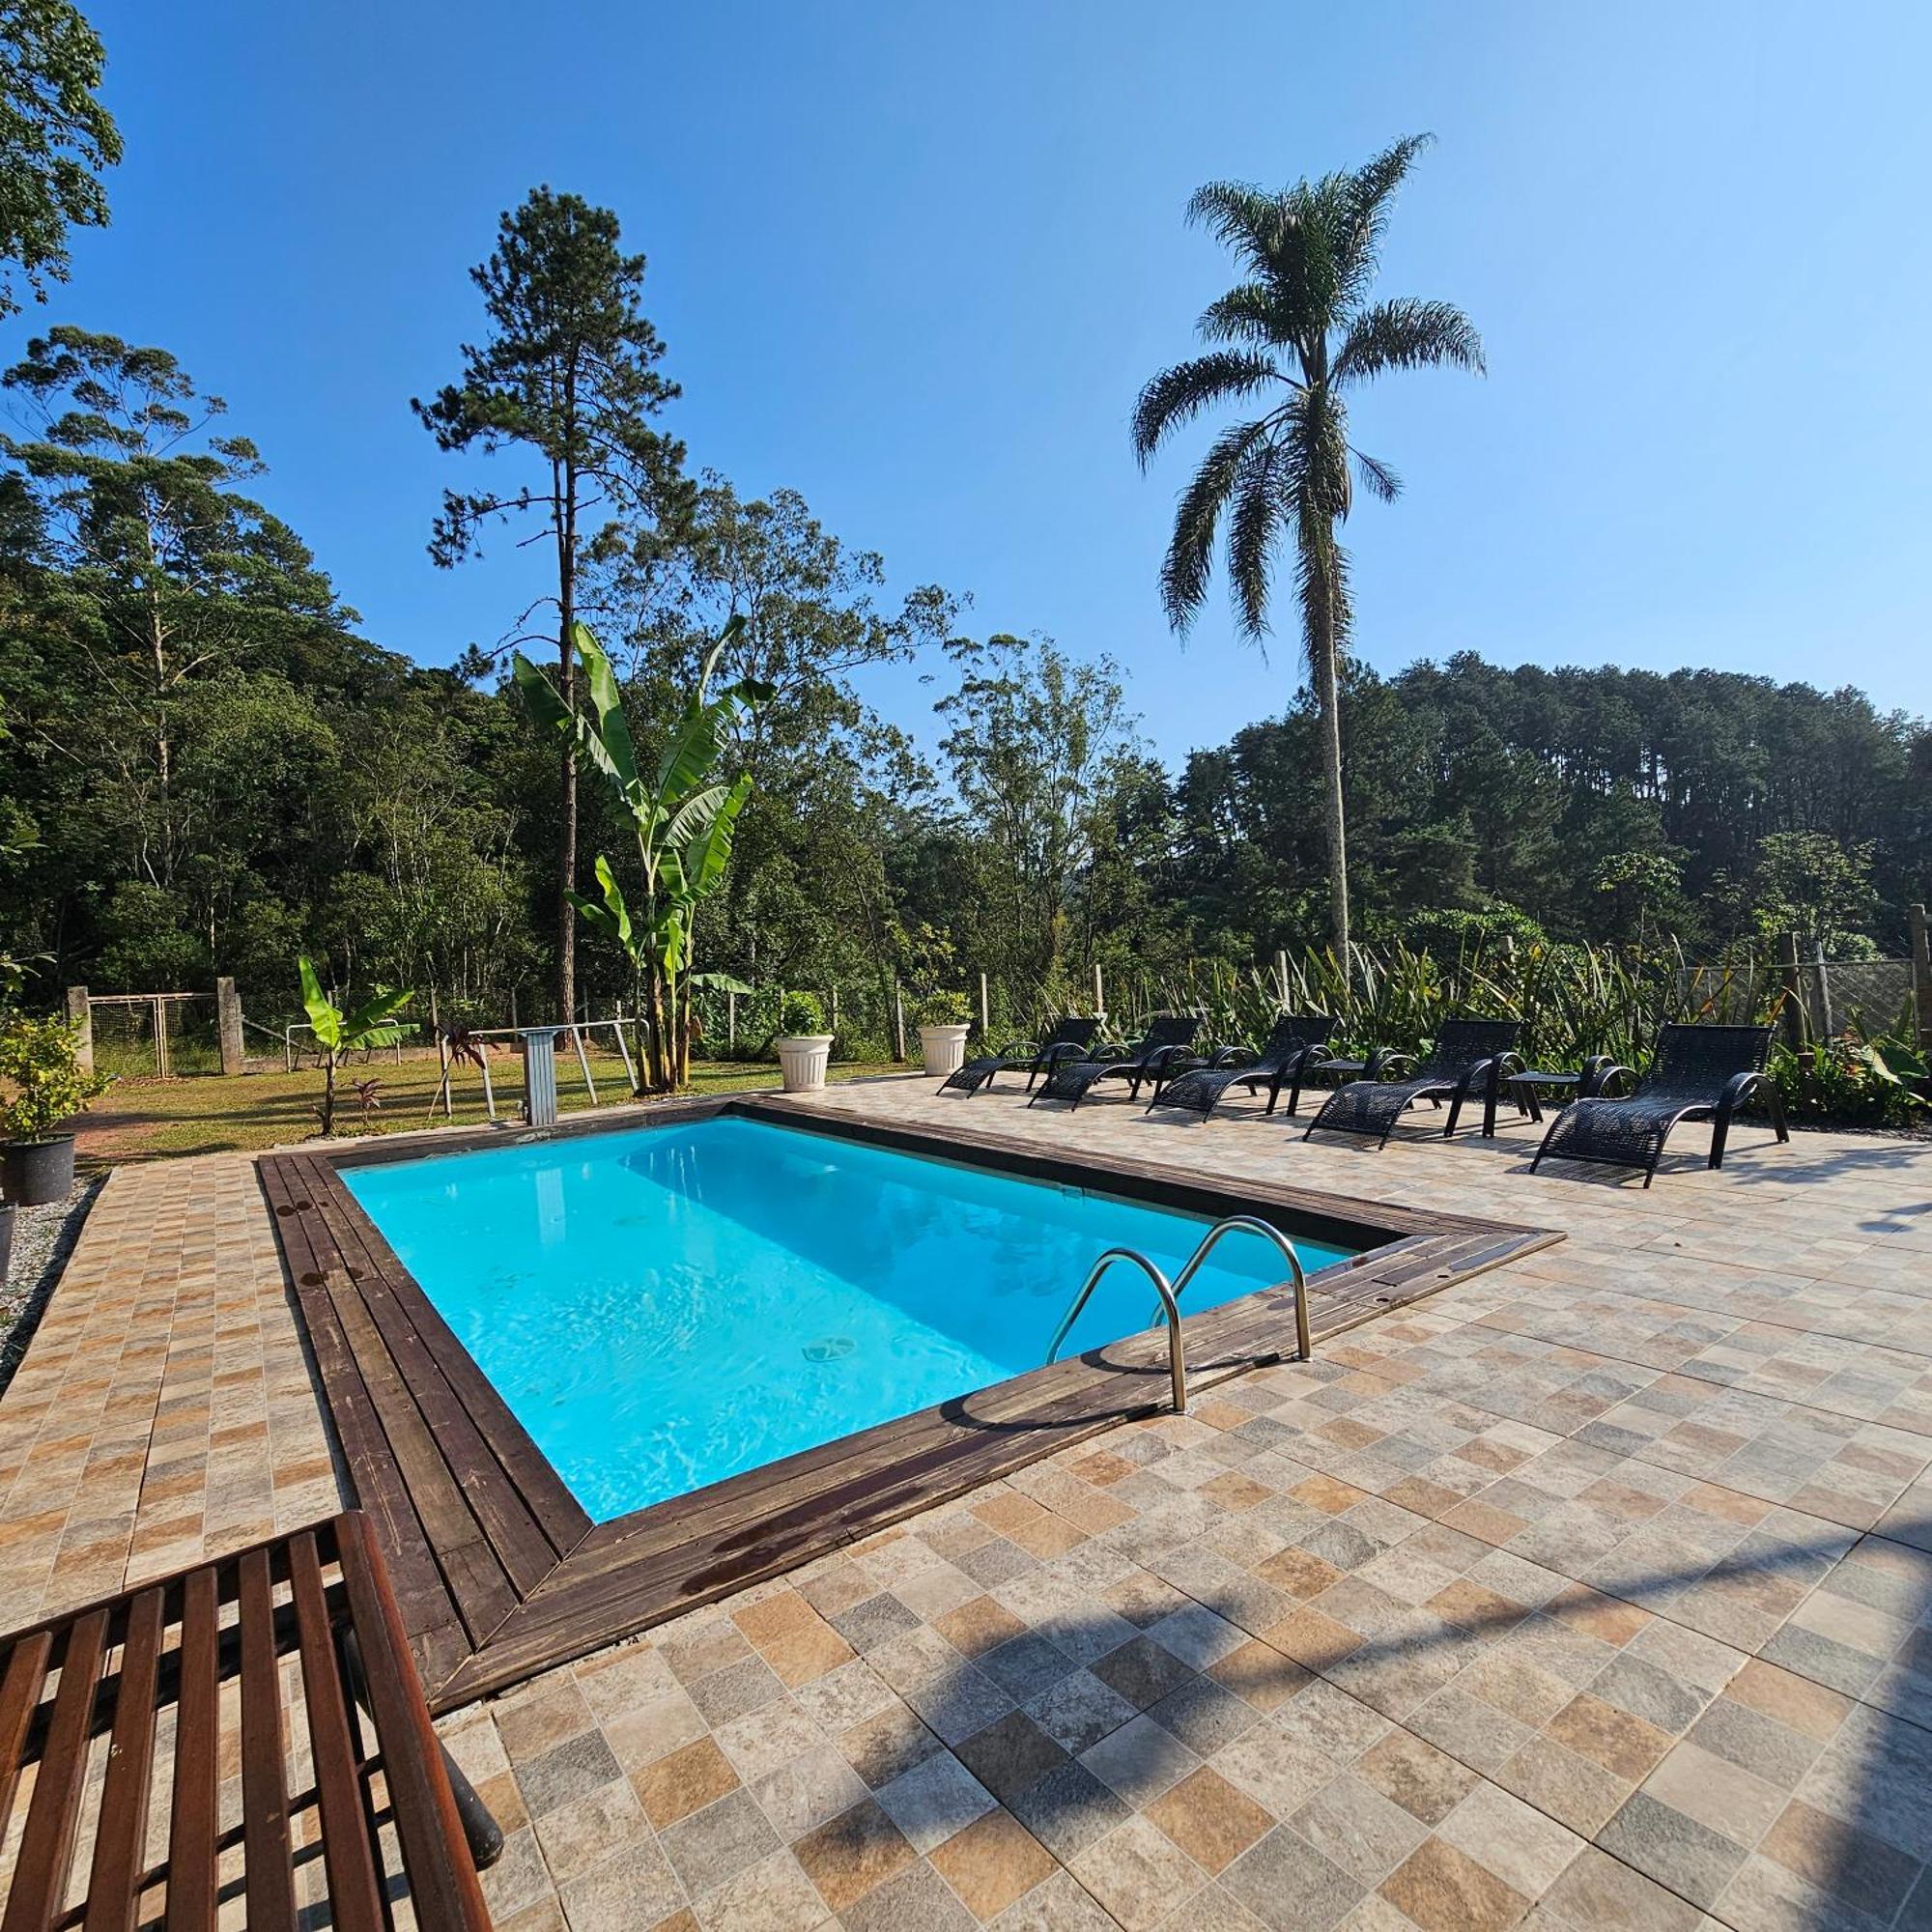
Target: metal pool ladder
1170,1293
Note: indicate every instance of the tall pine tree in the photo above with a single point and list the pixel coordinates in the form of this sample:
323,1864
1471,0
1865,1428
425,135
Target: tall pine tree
569,376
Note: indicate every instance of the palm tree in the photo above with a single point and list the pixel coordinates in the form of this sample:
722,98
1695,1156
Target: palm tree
1300,332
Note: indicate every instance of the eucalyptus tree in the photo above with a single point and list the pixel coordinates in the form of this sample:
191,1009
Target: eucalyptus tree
806,900
133,547
55,140
569,376
1033,743
1300,332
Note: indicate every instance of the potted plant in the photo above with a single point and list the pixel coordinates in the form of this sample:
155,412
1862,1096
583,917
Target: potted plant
945,1019
804,1045
46,1085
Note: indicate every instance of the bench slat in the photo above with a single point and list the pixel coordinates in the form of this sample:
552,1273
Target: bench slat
19,1699
114,1886
194,1815
46,1846
354,1888
265,1791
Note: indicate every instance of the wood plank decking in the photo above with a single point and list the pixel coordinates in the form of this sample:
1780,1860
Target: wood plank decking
499,1573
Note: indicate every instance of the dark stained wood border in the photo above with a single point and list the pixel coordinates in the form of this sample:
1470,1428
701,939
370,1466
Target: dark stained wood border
500,1574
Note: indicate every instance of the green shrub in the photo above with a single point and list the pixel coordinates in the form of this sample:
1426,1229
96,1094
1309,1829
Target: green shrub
944,1009
800,1013
1449,932
1855,1080
39,1063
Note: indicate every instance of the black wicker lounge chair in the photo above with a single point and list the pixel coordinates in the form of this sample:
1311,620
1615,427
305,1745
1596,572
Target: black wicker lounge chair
1701,1073
1154,1057
1296,1042
1469,1056
1070,1040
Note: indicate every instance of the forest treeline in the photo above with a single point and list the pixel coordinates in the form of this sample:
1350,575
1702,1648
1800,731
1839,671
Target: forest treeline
208,767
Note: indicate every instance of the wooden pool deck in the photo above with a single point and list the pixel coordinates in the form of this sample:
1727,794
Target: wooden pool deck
500,1573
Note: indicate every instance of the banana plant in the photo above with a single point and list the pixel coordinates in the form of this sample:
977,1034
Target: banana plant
339,1034
684,816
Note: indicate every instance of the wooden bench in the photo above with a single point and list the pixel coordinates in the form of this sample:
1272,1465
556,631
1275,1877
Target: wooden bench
247,1737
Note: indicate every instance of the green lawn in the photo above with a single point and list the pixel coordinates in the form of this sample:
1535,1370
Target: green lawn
143,1119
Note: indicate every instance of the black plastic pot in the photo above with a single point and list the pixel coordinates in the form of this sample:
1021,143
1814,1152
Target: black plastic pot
34,1173
6,1239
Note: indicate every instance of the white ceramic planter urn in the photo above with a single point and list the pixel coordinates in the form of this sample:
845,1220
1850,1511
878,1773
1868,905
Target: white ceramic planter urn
802,1061
944,1049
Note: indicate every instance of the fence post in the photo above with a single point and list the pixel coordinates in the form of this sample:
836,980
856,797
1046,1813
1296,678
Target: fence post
163,1066
81,1016
228,1025
985,1013
1793,1008
898,1020
732,1022
1827,1019
1921,969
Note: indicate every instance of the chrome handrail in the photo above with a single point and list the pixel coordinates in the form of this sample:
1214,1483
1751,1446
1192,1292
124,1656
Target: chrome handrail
1251,1225
1176,1363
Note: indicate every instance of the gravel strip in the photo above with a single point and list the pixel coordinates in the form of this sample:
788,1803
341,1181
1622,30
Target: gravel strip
43,1239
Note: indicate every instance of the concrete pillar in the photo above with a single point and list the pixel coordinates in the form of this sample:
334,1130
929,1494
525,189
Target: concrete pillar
80,1015
228,1025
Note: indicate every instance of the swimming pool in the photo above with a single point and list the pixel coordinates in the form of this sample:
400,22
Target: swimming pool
666,1307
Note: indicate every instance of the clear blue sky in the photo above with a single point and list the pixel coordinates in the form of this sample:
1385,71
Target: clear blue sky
915,262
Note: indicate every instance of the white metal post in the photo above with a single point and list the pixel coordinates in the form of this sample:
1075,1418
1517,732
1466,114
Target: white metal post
584,1061
624,1049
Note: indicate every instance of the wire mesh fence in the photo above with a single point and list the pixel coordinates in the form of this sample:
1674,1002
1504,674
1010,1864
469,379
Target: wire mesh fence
1817,999
159,1034
1574,1001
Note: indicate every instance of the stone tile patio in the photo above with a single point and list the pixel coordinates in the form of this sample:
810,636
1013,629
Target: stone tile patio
1593,1593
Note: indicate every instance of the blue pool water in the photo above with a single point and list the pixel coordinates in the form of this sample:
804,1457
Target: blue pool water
668,1306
